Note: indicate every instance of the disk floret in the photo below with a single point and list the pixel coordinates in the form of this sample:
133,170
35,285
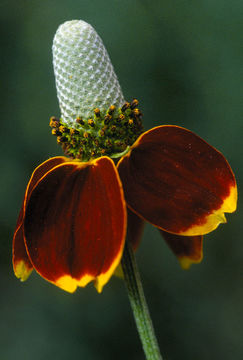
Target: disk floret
101,135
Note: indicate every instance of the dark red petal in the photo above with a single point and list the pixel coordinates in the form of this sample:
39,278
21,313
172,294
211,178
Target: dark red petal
135,226
187,249
21,263
75,224
41,170
178,182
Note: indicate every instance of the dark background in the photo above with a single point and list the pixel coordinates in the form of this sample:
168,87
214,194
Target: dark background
183,60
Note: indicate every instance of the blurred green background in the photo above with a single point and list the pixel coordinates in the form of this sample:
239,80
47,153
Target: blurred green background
183,61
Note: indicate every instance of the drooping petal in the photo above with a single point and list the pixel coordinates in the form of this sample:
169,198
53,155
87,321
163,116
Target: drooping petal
187,249
75,224
21,263
135,226
178,182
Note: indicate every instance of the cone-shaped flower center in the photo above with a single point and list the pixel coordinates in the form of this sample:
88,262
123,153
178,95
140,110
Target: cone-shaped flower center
95,119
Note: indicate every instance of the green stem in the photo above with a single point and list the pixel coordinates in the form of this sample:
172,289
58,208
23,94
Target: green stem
139,305
121,154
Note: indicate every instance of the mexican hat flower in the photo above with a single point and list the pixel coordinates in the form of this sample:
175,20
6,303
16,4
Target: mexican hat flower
79,208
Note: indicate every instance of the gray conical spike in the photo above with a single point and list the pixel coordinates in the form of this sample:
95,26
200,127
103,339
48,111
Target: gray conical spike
85,78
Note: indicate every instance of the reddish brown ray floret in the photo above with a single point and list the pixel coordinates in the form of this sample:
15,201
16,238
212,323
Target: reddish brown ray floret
21,263
135,227
72,224
187,249
175,180
75,224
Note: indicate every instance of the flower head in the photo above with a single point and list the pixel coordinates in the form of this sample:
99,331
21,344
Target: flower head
78,209
85,78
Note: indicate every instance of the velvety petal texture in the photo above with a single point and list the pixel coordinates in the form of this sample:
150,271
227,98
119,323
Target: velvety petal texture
176,181
135,226
21,263
75,224
187,249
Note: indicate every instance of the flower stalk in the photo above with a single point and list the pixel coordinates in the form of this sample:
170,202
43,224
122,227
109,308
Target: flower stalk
139,304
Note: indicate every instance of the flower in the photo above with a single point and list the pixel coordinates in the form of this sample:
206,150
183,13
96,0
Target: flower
79,208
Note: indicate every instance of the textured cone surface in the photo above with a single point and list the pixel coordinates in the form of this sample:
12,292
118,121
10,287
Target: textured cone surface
85,78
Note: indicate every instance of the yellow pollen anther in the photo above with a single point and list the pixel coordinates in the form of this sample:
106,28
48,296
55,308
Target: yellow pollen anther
86,135
121,117
91,122
111,109
134,103
97,112
54,122
62,128
136,112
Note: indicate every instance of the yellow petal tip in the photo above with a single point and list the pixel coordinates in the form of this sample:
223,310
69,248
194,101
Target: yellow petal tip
186,262
119,272
70,284
217,217
22,271
67,283
103,278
